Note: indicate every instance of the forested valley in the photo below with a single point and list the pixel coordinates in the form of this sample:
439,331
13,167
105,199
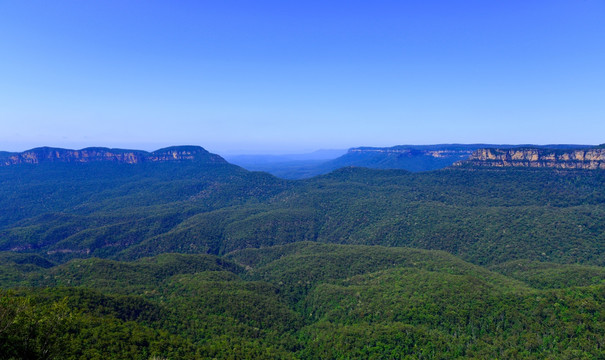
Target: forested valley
201,259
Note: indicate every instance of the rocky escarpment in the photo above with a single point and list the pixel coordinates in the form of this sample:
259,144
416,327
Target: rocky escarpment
591,158
98,154
407,157
418,158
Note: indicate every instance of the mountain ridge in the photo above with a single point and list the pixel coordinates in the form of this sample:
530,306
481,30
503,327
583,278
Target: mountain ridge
592,158
417,158
103,154
414,158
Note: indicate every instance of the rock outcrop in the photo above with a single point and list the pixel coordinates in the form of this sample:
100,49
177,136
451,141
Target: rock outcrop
591,158
407,157
99,154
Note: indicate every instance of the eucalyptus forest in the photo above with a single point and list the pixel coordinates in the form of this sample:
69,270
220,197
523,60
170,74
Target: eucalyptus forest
202,259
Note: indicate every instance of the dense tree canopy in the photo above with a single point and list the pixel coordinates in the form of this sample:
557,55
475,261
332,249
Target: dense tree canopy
190,261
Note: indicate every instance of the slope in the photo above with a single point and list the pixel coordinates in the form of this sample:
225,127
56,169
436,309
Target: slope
127,211
303,300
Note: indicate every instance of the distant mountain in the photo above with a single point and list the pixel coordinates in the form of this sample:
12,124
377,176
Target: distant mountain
415,158
408,157
536,157
121,210
101,154
130,194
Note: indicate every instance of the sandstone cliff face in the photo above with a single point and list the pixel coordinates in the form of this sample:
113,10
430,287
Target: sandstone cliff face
184,153
537,158
47,154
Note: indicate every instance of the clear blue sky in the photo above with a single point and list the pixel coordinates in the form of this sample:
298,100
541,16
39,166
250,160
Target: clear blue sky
293,76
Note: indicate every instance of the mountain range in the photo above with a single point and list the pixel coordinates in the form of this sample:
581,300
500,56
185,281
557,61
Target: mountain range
98,154
415,158
176,253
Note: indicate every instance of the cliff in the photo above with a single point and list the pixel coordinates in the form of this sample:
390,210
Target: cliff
98,154
407,157
414,158
590,158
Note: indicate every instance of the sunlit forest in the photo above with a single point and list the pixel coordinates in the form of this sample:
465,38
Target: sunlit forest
193,260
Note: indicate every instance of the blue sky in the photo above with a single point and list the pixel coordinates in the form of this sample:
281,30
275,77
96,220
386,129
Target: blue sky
295,76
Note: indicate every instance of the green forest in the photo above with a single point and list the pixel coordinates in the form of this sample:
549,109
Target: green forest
192,260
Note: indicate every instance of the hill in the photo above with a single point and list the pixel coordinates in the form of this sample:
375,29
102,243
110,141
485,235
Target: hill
196,259
303,301
127,211
50,201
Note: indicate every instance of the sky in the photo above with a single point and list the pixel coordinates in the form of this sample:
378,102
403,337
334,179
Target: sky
294,76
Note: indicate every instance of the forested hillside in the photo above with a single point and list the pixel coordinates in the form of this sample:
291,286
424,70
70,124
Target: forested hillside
203,259
303,300
125,211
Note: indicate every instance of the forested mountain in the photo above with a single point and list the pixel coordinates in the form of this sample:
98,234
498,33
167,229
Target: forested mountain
100,154
126,211
413,158
407,157
188,256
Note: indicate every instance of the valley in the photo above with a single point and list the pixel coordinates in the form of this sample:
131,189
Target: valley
179,254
